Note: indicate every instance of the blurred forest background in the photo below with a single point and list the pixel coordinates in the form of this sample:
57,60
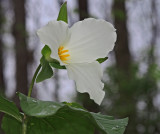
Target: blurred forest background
131,74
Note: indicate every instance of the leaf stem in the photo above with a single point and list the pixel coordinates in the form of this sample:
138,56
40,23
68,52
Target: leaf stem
33,80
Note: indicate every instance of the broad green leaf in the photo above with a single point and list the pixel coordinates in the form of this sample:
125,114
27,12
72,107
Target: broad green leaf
9,108
46,52
101,60
63,13
38,108
64,121
10,125
110,126
65,118
46,71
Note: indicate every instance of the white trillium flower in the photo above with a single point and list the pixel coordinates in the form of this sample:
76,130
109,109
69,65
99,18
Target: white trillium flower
78,48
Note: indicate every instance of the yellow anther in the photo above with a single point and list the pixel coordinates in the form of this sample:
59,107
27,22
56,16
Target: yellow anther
64,51
63,54
60,48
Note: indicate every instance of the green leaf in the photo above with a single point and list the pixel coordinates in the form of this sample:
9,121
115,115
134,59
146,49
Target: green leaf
46,108
63,122
109,125
10,125
46,71
101,60
67,118
56,124
63,13
9,108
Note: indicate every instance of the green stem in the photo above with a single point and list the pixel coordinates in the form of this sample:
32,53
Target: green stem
24,125
33,80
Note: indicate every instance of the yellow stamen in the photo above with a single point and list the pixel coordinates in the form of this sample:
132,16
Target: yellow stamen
60,48
64,51
63,54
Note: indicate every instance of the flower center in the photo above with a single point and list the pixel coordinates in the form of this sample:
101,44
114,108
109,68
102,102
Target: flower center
63,54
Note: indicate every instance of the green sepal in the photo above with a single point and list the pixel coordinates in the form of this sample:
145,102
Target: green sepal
46,52
63,16
46,71
101,60
57,65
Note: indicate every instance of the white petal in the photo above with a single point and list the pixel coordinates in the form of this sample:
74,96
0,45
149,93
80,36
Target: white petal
54,34
88,79
91,39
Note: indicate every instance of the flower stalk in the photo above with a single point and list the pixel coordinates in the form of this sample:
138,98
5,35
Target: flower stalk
24,125
33,80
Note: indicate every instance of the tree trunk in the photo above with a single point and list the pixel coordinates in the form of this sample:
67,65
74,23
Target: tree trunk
19,33
151,109
83,9
2,84
122,53
154,22
126,100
